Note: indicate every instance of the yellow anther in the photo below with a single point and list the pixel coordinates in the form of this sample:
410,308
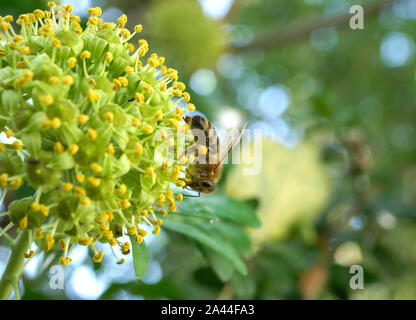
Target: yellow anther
123,81
23,223
110,149
66,186
86,241
53,80
147,87
39,234
49,241
177,92
62,245
139,97
159,222
124,204
129,70
51,4
122,189
109,116
109,56
34,206
46,124
121,261
80,191
9,133
98,257
85,201
179,85
164,212
18,38
56,123
139,239
64,261
82,118
159,115
16,183
56,43
58,148
186,97
73,149
44,209
3,179
92,134
68,80
72,62
147,128
116,85
96,167
136,122
93,95
112,242
156,230
144,212
138,28
85,55
139,148
173,123
96,182
179,196
46,99
80,177
24,50
17,145
180,183
130,46
29,254
132,230
190,107
163,86
150,171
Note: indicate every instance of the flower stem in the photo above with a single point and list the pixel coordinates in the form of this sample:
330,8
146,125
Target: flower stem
15,265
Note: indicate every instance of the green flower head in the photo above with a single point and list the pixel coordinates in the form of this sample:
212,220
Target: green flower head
84,108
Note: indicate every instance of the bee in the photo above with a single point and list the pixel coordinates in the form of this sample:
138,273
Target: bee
202,177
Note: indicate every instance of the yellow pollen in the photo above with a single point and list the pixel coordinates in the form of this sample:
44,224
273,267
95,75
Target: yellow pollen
80,177
96,167
17,145
58,148
44,209
82,118
46,99
85,55
72,62
73,149
56,123
23,223
92,134
110,149
98,257
67,186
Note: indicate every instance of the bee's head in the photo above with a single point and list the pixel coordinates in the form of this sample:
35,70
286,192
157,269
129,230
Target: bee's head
206,186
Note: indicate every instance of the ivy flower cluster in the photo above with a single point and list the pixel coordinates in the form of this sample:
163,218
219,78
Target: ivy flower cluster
83,107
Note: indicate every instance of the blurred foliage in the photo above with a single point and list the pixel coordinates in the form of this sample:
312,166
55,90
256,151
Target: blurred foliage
179,30
346,194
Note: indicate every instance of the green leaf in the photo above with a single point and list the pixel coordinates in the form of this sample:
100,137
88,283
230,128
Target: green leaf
212,207
221,267
212,241
140,257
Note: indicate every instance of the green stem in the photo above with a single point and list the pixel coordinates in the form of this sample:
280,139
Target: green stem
15,265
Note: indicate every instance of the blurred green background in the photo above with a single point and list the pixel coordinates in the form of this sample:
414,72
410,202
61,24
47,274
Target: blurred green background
338,181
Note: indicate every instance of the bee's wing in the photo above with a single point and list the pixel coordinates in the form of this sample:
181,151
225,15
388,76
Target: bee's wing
229,143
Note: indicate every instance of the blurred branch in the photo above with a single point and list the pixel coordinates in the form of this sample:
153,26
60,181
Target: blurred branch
299,32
